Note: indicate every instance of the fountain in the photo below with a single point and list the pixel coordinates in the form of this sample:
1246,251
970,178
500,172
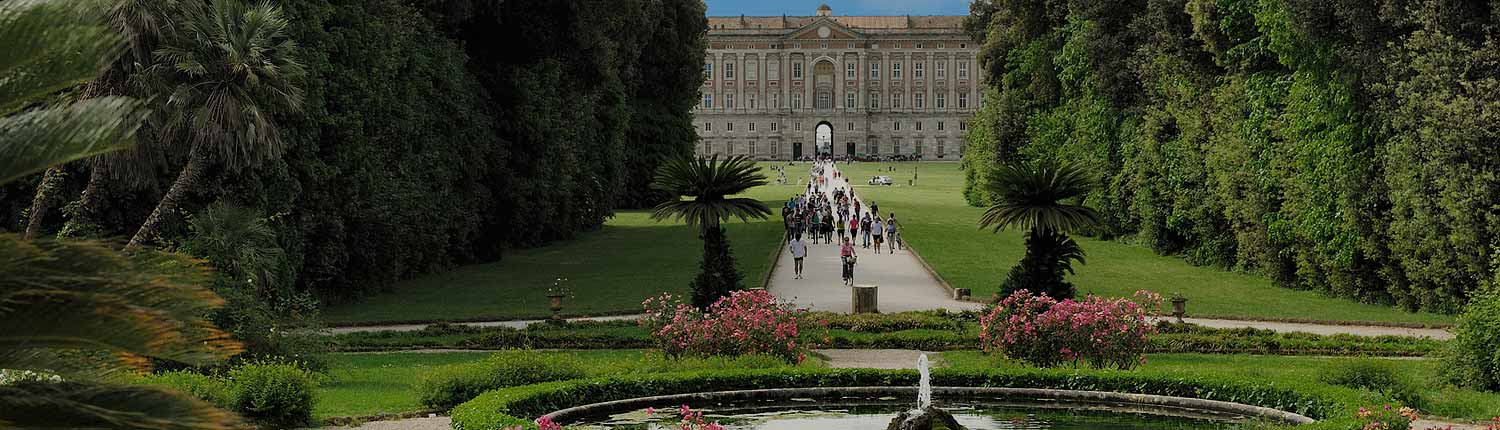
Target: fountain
925,416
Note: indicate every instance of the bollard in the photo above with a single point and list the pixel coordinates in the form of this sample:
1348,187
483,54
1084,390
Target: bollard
866,299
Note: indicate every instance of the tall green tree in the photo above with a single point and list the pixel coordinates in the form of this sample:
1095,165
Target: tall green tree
1031,197
708,182
76,313
229,66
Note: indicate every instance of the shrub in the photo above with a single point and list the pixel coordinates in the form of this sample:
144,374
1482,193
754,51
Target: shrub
447,386
1473,357
1386,417
745,322
272,394
1378,376
208,388
1045,332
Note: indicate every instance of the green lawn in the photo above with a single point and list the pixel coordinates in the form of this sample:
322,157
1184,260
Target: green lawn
385,383
943,228
610,271
1443,400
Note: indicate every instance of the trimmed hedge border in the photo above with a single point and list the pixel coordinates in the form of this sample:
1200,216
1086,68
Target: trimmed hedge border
1333,406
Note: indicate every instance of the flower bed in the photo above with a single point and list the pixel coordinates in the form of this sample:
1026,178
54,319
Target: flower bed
1046,332
745,322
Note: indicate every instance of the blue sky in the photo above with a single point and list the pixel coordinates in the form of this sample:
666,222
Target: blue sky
840,7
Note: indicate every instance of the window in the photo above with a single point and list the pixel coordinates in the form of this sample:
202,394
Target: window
851,126
895,70
708,71
774,125
825,100
849,101
963,69
797,70
963,100
750,70
874,100
917,70
919,125
752,128
797,100
729,70
942,101
823,45
918,145
895,125
729,101
896,146
874,70
942,69
940,148
797,125
708,126
850,70
775,100
963,125
919,100
872,148
729,126
773,70
919,46
751,143
750,101
895,101
729,147
850,45
940,126
708,101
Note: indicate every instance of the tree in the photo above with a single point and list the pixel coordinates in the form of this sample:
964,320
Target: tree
77,311
230,67
1030,196
709,182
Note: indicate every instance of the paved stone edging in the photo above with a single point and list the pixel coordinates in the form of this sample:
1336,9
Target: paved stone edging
1165,404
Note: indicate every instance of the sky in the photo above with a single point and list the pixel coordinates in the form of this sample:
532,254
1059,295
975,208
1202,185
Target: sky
840,7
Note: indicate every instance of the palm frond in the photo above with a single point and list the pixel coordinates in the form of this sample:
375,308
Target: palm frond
708,183
1030,197
35,140
50,45
42,405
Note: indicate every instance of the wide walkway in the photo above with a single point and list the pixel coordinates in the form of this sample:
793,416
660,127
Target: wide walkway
904,284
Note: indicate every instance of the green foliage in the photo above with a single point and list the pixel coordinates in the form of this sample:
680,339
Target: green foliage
1378,376
272,394
1031,197
1329,145
1473,357
1333,406
709,183
211,389
447,386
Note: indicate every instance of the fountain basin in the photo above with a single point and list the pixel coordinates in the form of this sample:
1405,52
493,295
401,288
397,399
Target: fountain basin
1029,398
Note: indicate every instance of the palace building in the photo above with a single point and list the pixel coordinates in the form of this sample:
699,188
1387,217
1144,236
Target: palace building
875,85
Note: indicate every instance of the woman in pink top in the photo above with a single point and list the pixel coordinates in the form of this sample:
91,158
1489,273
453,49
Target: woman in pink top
846,252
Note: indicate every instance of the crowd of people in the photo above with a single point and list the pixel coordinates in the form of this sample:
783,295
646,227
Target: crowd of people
830,214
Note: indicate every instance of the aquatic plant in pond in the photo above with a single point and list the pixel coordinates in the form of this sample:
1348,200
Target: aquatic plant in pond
1104,332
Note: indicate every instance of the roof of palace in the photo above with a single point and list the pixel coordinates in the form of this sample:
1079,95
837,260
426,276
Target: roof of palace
856,22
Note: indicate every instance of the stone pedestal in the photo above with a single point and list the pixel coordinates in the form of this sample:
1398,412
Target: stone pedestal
866,299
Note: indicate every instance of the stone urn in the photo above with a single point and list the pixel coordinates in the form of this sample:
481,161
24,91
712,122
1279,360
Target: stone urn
556,303
1179,307
928,418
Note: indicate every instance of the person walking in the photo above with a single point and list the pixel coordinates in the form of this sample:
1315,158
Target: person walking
853,227
878,230
847,255
799,251
864,227
893,234
874,209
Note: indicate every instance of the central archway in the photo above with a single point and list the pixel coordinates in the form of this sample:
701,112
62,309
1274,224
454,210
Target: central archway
824,138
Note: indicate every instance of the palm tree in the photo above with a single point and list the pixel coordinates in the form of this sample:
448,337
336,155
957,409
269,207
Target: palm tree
141,23
72,313
230,67
709,182
1030,197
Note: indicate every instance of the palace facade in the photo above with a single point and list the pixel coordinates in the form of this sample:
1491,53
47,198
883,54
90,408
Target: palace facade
881,85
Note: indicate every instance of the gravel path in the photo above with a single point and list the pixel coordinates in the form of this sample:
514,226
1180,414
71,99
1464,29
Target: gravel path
875,358
1325,329
430,423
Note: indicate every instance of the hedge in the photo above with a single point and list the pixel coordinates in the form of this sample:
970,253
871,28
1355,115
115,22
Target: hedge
1334,407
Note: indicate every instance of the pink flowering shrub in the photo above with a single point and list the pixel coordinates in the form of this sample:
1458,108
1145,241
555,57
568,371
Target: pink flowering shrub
1045,332
1386,417
745,322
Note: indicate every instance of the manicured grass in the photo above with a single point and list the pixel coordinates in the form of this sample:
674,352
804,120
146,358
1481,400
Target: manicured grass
610,271
1443,400
943,228
385,383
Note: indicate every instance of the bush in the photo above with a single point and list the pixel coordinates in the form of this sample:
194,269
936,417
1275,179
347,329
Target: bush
884,323
1045,332
1385,417
1473,357
447,386
272,394
1378,376
745,322
204,387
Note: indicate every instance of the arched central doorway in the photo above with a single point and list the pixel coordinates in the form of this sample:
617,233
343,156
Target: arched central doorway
824,139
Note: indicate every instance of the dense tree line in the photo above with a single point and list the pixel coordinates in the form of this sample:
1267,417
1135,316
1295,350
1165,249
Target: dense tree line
430,133
1345,146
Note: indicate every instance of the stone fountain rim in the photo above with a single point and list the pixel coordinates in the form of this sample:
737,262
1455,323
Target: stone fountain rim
602,408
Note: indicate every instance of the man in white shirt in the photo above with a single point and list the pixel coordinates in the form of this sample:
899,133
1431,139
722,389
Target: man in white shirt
799,251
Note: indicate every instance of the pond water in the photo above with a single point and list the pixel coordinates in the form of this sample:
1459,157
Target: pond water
975,416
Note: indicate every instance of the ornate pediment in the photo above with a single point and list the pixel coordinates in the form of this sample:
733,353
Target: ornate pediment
825,28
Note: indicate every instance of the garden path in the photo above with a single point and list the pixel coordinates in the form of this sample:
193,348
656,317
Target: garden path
905,284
